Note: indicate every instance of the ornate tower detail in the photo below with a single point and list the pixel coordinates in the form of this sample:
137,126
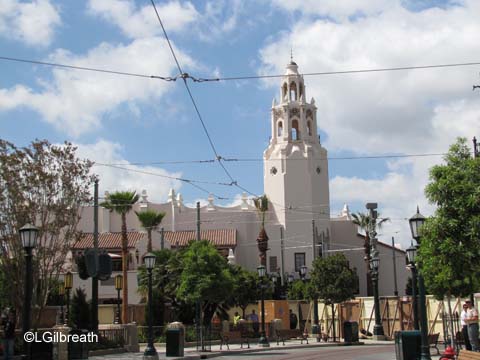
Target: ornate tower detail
295,163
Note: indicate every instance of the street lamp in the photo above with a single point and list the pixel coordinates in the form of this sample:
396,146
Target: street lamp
263,341
68,284
416,223
411,258
118,287
61,293
150,351
28,235
374,265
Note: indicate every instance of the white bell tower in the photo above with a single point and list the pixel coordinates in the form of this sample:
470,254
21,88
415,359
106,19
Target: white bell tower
296,165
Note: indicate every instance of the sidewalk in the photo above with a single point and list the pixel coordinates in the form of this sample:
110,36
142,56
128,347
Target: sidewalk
191,353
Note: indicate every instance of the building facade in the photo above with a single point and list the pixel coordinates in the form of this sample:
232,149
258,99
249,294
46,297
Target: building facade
298,222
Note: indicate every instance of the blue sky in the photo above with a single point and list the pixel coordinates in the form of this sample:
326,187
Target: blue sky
124,120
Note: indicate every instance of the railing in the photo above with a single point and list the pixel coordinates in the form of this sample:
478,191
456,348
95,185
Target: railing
115,337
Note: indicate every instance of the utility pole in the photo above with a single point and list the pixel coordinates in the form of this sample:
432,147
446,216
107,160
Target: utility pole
395,292
315,327
94,308
198,312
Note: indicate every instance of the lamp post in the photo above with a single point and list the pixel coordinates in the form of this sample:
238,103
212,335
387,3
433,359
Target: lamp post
150,351
61,293
68,284
118,287
378,332
378,328
416,223
263,341
28,235
411,258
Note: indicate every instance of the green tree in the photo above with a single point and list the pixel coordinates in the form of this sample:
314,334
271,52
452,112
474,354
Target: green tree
363,221
79,310
150,219
449,251
121,202
333,280
245,287
45,185
205,277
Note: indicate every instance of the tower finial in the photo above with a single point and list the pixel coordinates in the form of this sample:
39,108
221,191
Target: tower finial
291,54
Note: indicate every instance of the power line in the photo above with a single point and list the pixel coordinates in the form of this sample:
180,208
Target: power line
166,78
341,72
184,77
210,161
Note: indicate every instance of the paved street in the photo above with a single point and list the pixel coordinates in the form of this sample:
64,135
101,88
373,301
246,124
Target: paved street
366,352
340,353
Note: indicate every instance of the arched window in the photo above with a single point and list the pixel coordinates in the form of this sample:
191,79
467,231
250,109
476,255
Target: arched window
280,129
284,91
293,91
301,91
309,127
295,130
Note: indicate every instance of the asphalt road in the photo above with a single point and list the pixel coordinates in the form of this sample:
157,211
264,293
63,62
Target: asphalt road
382,352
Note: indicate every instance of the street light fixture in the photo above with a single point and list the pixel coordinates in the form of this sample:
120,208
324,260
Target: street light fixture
263,341
374,265
68,284
28,235
118,287
411,258
150,351
416,223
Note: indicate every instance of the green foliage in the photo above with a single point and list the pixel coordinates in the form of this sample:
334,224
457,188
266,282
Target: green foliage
245,287
205,275
46,185
80,310
120,202
333,279
450,249
150,219
261,204
297,290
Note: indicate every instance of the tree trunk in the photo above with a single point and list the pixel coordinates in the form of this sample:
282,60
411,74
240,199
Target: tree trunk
366,246
149,244
333,323
124,269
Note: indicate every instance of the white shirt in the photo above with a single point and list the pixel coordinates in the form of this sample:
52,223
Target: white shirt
463,317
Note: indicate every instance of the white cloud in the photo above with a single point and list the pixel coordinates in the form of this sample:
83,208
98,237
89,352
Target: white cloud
417,111
336,9
31,22
75,101
142,22
217,19
112,179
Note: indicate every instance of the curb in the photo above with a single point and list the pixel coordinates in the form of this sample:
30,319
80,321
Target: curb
214,354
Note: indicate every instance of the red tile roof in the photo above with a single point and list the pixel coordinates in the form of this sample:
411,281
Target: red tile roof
109,240
218,237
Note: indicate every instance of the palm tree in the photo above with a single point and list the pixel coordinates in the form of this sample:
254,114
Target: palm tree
121,202
363,221
261,203
150,219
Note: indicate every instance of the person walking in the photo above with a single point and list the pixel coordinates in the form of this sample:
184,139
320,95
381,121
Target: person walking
254,319
8,335
293,320
236,319
463,322
472,321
